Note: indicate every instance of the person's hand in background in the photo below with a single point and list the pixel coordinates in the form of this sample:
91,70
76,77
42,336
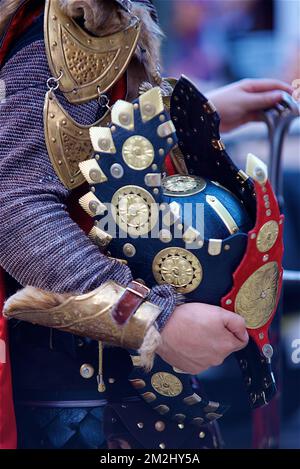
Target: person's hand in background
244,101
198,336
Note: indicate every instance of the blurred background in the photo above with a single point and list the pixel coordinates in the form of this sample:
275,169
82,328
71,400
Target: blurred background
215,42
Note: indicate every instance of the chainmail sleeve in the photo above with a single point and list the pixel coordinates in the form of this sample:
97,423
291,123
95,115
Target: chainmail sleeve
40,245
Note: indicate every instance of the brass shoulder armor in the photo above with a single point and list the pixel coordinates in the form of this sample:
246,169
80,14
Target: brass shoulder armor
88,65
68,143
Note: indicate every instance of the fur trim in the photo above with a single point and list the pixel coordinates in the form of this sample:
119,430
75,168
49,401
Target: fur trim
31,299
8,8
149,346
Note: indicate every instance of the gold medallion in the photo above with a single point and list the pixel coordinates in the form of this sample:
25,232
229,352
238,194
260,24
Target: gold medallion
179,268
166,384
138,152
257,296
136,211
267,236
183,186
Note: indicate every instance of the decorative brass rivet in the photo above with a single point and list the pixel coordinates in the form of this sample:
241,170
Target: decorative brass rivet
117,171
155,191
154,167
135,106
54,17
268,212
86,371
202,435
253,236
124,118
161,152
149,109
260,174
162,446
228,302
53,139
52,115
104,144
111,380
64,122
140,425
170,141
162,118
181,426
113,128
226,247
129,250
54,44
93,205
165,236
59,162
95,175
266,258
160,426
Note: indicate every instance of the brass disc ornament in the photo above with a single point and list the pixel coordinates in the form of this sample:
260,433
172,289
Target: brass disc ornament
138,152
267,236
179,268
166,384
135,210
182,186
256,298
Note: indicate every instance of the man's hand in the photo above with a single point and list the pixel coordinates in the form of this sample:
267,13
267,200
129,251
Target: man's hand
244,101
198,336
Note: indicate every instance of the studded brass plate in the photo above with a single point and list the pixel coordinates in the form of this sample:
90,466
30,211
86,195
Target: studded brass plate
267,236
87,62
256,298
166,384
179,268
135,210
68,143
182,186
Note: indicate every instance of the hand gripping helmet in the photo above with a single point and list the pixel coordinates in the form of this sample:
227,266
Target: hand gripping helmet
212,231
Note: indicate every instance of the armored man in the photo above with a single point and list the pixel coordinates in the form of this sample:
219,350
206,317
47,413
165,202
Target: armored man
110,329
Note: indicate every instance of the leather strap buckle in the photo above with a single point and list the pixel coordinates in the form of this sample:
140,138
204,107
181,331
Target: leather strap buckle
134,295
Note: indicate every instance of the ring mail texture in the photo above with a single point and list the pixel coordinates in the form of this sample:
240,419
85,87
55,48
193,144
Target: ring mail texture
36,232
90,315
